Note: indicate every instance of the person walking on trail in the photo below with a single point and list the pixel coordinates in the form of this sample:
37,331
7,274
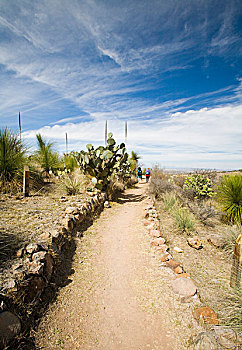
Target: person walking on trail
147,174
139,174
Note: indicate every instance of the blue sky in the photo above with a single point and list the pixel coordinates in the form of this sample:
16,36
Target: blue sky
170,68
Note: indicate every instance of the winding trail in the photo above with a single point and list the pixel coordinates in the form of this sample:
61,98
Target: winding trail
108,303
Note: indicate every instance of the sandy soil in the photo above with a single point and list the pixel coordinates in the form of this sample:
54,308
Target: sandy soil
118,296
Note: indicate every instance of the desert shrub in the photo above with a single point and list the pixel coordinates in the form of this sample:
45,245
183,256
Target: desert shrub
184,218
179,180
170,200
12,158
229,238
158,186
203,211
199,185
229,197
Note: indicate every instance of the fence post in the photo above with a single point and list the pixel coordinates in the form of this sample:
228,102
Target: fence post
235,279
26,181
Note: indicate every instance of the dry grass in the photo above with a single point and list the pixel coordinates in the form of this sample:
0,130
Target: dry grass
209,267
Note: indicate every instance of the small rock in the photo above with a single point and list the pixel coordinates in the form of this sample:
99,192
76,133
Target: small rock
178,270
72,210
156,233
184,287
45,236
184,274
10,326
32,248
20,253
68,223
216,240
106,204
178,250
172,264
36,268
195,242
157,242
39,256
205,315
164,257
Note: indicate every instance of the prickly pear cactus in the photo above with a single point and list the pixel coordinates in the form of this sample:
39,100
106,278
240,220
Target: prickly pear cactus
102,163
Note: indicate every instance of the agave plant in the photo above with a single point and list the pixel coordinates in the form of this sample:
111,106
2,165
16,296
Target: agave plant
12,154
229,197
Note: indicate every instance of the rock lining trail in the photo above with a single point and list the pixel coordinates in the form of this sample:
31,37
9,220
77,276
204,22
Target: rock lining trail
117,297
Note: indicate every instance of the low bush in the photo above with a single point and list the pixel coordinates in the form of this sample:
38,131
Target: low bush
159,186
229,197
184,219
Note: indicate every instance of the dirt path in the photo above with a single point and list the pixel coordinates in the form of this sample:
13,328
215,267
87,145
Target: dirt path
117,297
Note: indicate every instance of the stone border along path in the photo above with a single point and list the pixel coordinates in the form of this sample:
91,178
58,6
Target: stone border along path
37,263
216,337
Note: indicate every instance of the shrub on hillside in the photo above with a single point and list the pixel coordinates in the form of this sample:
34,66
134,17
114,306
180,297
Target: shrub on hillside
229,197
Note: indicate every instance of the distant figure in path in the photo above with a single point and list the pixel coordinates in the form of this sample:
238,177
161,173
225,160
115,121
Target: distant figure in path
139,174
147,174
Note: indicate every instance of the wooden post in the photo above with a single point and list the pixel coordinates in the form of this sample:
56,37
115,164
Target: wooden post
26,182
235,280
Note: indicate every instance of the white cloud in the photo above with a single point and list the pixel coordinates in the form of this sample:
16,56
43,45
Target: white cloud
193,138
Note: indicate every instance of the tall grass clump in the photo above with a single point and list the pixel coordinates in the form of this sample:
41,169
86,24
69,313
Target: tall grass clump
184,219
229,197
12,156
170,200
232,310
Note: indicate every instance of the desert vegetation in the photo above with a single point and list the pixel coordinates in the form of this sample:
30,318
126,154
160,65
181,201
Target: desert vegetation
52,177
205,206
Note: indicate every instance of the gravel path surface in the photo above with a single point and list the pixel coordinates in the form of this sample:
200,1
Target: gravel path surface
117,296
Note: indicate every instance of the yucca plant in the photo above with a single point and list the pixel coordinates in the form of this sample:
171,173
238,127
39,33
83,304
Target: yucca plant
45,155
229,197
12,154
